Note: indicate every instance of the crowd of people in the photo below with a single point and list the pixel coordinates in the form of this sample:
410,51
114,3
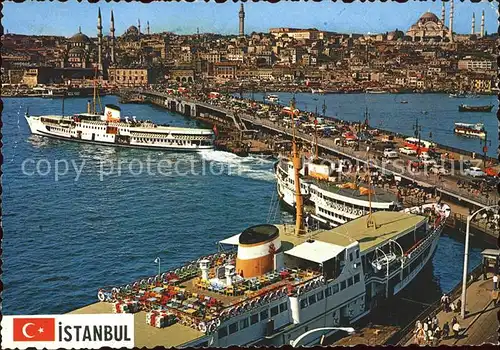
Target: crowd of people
430,333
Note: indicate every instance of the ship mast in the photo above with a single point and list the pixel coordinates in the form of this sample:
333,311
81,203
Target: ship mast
316,134
370,220
299,218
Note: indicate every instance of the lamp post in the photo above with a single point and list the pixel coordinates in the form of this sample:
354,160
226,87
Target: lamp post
466,256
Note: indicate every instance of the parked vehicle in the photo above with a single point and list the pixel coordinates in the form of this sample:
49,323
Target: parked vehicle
439,169
408,151
390,153
474,171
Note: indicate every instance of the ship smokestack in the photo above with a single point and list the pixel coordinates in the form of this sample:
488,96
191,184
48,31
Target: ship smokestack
257,250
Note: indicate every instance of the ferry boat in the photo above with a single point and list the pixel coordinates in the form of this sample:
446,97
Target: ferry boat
467,108
273,98
419,145
333,201
111,129
275,285
471,130
375,91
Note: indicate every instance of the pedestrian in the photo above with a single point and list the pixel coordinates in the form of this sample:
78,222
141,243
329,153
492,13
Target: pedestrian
426,327
485,277
495,282
435,322
453,321
437,336
452,307
459,305
456,329
446,330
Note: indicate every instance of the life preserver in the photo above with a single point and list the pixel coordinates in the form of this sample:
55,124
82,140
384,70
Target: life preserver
258,300
163,275
183,268
230,310
128,287
265,299
212,327
217,322
143,281
284,290
238,310
300,290
100,296
253,303
135,285
223,255
115,290
150,280
202,327
322,279
177,271
244,306
308,286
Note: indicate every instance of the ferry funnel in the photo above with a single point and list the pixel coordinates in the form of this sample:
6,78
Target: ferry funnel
256,250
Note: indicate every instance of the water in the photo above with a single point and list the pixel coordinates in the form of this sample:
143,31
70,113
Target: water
386,112
64,239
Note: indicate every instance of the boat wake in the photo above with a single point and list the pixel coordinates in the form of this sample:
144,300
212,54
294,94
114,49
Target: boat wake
252,167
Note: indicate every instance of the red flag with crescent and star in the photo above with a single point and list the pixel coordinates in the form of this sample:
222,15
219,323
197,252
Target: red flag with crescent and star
34,329
215,130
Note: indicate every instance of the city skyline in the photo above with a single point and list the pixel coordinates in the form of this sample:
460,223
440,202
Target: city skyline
58,18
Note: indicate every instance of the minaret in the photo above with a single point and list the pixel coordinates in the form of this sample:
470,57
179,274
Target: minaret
112,30
147,28
99,40
443,14
482,25
242,20
473,25
139,25
451,22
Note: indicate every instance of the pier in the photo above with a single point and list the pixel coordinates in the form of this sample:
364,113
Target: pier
446,187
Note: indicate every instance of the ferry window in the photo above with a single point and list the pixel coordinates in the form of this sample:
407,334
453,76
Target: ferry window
312,299
350,282
274,311
254,319
350,256
283,307
233,328
222,332
357,253
264,315
328,291
342,285
356,278
319,296
303,303
244,323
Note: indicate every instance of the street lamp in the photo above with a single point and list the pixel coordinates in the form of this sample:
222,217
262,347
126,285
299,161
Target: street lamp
466,256
295,343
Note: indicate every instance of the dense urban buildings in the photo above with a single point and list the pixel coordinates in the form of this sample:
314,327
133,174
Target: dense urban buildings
426,56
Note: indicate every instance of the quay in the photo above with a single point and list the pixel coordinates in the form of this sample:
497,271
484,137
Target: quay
446,187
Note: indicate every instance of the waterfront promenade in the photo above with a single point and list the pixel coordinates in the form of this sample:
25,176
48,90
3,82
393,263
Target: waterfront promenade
480,323
446,186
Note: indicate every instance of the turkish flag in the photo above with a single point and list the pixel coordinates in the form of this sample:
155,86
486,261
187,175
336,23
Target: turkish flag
34,329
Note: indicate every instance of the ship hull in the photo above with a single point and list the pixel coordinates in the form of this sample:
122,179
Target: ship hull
462,108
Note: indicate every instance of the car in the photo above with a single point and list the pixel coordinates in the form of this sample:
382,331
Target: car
390,153
474,171
439,169
408,151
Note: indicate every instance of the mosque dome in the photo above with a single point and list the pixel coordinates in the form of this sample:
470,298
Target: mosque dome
79,38
428,16
132,30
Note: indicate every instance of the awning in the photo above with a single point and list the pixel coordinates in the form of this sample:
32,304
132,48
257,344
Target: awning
233,240
491,253
315,251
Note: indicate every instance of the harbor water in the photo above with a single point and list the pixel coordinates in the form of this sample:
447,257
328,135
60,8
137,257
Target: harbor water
436,113
67,235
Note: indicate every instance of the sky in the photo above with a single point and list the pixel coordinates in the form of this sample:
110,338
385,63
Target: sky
55,18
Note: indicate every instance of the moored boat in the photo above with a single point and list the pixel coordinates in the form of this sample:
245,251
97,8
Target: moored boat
468,108
472,130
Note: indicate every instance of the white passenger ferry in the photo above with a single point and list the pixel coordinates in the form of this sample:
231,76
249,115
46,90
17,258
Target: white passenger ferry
113,130
272,286
335,202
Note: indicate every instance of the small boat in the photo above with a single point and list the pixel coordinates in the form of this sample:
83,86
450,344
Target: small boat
459,95
472,130
403,102
375,91
467,108
272,98
318,91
